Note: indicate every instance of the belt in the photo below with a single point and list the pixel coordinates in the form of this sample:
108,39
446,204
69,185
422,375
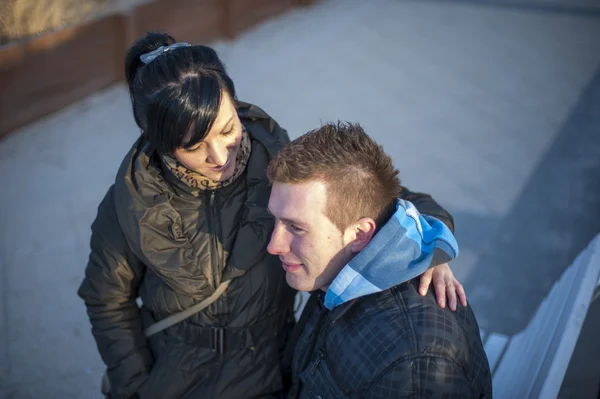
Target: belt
227,339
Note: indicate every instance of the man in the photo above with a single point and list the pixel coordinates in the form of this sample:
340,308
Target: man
342,233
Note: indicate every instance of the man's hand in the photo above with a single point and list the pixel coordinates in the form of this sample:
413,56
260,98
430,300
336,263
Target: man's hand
445,284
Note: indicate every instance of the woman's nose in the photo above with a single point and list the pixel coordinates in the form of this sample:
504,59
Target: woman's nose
217,154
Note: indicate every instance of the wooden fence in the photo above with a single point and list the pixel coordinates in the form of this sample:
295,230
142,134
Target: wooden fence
46,73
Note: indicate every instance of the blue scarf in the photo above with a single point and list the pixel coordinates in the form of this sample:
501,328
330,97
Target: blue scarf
406,246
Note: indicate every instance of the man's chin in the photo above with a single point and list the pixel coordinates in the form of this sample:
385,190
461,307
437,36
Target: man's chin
294,282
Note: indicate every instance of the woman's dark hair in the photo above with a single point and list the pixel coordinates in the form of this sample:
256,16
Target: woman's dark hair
179,89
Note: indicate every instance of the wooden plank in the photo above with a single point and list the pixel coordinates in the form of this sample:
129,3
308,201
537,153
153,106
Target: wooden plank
45,74
194,21
243,14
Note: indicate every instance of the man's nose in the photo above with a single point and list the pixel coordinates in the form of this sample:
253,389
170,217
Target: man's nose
278,244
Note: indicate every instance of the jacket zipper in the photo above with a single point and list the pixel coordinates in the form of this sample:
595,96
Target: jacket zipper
215,258
320,357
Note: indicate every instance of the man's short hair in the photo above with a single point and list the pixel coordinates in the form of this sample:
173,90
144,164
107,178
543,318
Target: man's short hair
360,177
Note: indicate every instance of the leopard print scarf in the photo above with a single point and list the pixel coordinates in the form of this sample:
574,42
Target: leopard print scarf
196,180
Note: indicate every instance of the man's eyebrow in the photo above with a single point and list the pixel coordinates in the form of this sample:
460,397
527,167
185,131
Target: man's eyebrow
288,221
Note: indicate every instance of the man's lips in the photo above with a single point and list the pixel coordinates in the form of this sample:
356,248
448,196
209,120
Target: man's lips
291,267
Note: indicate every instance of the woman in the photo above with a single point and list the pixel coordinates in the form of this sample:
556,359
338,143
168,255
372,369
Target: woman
188,211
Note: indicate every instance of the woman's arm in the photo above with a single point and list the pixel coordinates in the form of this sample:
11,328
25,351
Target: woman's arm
109,289
444,282
427,206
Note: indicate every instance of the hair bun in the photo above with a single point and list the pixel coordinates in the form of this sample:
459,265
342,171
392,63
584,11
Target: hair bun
146,44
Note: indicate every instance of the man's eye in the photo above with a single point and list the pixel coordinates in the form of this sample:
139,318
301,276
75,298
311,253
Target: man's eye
295,229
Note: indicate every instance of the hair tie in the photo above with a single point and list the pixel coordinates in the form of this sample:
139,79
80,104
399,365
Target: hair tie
147,58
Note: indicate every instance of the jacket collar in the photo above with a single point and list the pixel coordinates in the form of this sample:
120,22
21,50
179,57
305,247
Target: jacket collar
338,312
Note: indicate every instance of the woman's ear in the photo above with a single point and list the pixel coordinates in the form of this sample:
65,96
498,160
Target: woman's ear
359,234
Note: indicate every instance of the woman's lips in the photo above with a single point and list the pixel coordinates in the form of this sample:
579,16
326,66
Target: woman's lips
288,267
222,168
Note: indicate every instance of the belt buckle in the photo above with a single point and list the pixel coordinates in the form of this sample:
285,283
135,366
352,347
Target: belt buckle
218,340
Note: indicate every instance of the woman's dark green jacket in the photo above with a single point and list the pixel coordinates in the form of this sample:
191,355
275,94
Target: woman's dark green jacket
170,245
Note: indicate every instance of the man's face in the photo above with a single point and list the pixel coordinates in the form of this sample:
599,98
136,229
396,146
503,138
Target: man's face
311,248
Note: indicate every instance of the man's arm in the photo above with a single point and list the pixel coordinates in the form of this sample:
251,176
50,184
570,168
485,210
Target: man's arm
425,376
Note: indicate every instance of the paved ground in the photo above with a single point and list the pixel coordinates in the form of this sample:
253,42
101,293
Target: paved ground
493,107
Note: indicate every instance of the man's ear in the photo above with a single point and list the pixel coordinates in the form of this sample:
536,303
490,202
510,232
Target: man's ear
360,234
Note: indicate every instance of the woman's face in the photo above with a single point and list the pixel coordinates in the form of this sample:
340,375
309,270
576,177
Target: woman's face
214,157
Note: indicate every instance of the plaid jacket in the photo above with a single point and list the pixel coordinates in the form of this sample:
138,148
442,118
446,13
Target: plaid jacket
391,344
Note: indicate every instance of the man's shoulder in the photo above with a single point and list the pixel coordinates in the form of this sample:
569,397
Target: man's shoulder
428,333
396,324
431,325
366,338
432,330
379,339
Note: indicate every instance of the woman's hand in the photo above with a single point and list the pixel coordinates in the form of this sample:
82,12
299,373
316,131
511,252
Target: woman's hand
445,285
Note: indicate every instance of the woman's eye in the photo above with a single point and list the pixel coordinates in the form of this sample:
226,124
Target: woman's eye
192,150
229,132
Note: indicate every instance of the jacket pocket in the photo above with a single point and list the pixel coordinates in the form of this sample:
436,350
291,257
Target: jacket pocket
318,383
177,367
